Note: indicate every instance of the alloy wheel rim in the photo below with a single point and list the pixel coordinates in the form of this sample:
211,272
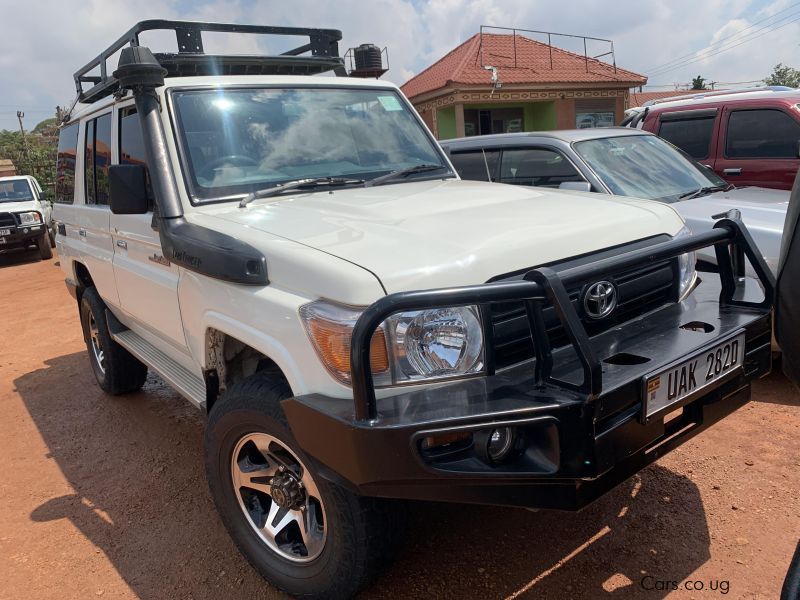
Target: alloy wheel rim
97,345
278,497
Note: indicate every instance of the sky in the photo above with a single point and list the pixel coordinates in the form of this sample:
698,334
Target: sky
42,42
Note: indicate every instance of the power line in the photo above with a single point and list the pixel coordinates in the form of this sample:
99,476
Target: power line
720,51
723,40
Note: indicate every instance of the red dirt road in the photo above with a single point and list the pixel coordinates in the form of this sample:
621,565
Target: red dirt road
105,497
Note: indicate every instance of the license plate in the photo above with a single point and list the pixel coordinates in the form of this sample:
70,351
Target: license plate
683,379
5,232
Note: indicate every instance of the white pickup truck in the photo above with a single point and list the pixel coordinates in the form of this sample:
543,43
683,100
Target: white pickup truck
296,256
25,216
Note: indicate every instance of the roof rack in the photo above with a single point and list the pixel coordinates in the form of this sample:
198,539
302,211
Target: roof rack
192,60
706,94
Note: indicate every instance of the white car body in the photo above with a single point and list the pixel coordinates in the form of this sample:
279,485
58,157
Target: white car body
38,204
350,246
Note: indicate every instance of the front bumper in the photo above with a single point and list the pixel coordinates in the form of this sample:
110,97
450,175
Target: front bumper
577,410
579,447
21,236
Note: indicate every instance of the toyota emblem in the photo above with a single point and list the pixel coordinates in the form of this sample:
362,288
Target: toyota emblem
600,299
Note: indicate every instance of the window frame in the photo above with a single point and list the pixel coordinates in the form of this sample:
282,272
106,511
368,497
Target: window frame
732,111
552,149
711,116
92,120
56,196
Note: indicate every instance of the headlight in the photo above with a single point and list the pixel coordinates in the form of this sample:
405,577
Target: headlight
29,218
440,343
409,347
687,273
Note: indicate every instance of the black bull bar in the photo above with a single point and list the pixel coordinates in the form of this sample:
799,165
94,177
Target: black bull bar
730,238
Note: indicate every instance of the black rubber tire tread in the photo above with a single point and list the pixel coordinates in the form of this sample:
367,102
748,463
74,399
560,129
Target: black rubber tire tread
45,249
124,373
363,533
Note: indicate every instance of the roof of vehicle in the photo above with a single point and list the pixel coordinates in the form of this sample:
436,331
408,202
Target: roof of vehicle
83,109
565,135
788,96
14,177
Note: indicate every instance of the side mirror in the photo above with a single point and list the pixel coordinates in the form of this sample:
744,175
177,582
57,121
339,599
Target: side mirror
575,186
127,189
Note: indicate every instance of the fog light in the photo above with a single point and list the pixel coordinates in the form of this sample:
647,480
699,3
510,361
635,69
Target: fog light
495,445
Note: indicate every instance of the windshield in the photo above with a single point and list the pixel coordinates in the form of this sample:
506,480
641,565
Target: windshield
645,166
243,140
15,190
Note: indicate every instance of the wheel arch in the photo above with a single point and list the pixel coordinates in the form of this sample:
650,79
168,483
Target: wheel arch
232,352
82,278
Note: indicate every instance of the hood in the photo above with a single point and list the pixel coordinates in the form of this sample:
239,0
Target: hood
18,207
759,206
429,234
763,212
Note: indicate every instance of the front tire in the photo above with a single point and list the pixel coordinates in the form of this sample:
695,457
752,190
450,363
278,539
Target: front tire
117,371
43,243
305,535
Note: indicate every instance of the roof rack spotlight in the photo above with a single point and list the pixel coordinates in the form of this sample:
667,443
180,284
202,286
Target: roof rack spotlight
318,55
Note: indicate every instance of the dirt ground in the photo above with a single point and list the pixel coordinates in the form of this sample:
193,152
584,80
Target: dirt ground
105,497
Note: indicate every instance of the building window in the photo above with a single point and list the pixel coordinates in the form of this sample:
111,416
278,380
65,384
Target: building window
483,121
594,113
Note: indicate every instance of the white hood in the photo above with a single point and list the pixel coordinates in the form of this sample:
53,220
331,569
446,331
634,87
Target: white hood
440,233
19,206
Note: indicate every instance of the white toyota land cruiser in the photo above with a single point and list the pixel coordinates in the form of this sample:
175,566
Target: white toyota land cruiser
25,216
296,255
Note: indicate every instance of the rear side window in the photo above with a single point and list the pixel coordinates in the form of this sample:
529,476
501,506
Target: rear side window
766,133
537,167
693,136
65,164
476,165
98,159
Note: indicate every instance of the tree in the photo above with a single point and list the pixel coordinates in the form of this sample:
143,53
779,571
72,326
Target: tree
784,75
698,83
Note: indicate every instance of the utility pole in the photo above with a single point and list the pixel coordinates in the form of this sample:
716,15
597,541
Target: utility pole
20,116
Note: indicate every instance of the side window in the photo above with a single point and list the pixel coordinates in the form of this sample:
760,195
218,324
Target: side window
65,163
88,163
131,144
476,165
764,133
536,166
97,159
693,136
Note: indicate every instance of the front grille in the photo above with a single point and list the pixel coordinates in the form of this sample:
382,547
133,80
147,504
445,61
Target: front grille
640,290
7,219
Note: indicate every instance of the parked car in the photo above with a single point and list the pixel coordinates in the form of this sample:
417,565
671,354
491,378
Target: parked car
747,137
25,216
626,162
297,256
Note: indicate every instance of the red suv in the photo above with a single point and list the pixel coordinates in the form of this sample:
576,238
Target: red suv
747,137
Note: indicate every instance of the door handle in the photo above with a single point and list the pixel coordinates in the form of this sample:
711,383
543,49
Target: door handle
122,244
737,171
82,233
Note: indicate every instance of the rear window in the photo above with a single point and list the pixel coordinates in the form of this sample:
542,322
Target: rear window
476,165
65,164
693,136
766,133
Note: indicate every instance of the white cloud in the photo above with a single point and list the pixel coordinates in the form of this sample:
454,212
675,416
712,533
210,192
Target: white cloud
46,41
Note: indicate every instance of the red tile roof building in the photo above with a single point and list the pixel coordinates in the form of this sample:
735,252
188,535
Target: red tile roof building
543,87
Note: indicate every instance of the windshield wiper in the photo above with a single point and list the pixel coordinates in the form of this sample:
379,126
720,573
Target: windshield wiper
703,191
400,173
295,185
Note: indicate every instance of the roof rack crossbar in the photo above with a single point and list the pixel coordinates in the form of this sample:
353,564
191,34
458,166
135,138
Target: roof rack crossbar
698,94
322,45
